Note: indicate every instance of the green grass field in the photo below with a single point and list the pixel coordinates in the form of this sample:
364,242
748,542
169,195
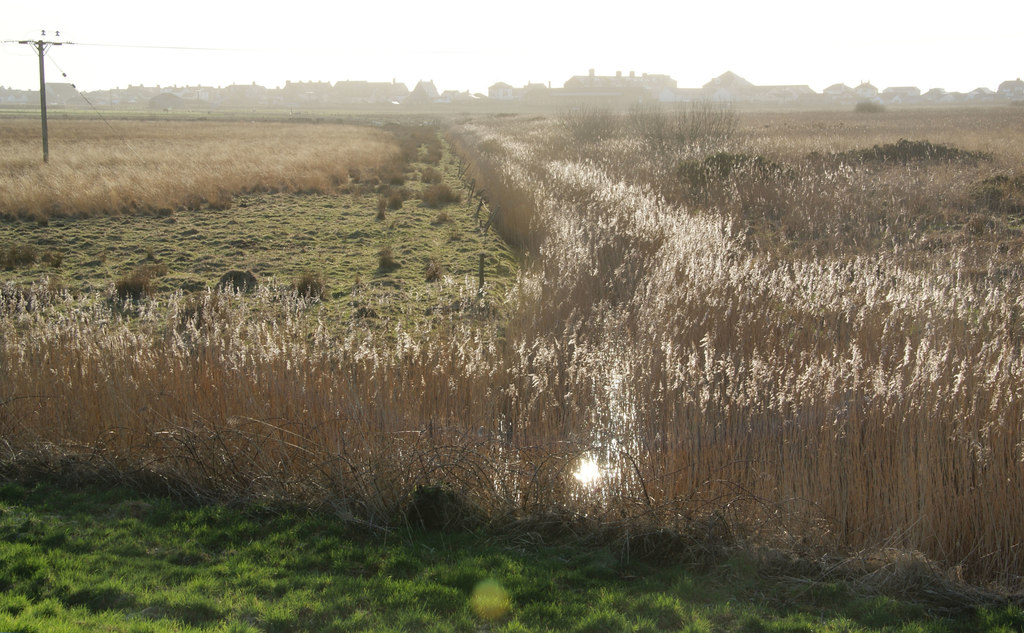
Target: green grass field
335,237
102,558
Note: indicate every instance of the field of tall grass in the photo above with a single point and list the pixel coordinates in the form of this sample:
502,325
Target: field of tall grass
127,166
803,330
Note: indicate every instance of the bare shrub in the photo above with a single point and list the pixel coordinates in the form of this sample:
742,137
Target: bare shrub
701,123
590,124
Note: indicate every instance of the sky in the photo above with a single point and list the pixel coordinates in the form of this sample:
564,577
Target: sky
463,45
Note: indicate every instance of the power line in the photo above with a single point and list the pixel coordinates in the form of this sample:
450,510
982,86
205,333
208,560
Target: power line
95,109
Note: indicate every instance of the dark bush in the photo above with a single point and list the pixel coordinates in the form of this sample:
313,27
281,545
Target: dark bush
869,107
904,151
237,281
1001,193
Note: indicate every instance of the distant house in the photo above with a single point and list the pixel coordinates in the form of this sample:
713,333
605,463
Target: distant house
1011,89
981,94
167,101
368,92
502,91
536,92
244,94
631,88
9,96
455,96
783,94
935,95
424,92
866,92
728,87
59,94
901,94
307,92
839,92
204,94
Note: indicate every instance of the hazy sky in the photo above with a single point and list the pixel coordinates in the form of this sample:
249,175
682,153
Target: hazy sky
471,45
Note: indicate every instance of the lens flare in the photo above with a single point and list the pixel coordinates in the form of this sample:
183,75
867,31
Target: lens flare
588,472
489,600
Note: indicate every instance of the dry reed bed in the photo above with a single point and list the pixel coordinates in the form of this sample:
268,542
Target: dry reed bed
857,399
129,166
870,397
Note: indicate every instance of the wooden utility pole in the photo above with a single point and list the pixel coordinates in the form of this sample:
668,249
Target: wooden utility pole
41,47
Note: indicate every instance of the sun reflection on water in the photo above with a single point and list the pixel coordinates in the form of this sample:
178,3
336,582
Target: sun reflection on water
588,473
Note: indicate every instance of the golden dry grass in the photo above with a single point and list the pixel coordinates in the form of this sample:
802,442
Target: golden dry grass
129,166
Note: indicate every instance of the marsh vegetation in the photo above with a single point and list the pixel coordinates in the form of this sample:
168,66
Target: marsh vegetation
769,333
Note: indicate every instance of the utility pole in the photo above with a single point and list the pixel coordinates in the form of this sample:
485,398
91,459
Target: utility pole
41,47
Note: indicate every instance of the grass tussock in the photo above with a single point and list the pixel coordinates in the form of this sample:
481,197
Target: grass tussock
18,255
439,195
310,285
139,282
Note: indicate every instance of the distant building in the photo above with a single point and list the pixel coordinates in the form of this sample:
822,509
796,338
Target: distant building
307,92
839,92
901,94
981,95
368,92
424,92
866,92
167,101
59,94
729,87
1011,89
621,88
502,91
244,95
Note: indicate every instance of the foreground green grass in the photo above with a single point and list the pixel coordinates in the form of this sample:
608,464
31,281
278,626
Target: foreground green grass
106,559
